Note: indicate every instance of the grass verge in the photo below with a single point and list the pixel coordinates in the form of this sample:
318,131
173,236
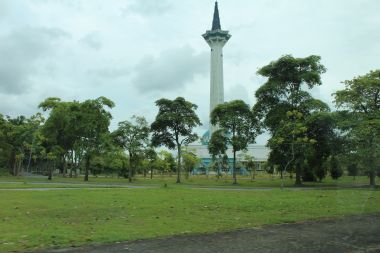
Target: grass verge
49,219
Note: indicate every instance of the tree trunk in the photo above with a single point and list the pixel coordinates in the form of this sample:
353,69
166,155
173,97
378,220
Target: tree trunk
179,164
234,169
12,161
86,168
372,179
130,168
298,174
219,167
50,170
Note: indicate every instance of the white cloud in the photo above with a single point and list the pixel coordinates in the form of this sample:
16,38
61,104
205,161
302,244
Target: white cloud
20,50
149,7
156,50
172,70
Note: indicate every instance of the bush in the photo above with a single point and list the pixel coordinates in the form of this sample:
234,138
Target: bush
353,170
335,168
308,174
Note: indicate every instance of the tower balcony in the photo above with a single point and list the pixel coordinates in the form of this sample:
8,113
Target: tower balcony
216,36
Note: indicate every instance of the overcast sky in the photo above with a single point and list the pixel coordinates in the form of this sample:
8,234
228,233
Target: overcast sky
137,51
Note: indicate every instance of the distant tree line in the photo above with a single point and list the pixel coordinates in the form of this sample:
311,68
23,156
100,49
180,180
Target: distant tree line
307,139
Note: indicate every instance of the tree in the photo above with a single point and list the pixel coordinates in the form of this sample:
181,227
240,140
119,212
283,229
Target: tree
321,128
285,92
291,137
217,147
133,137
173,126
353,170
239,124
151,156
62,127
93,128
190,161
360,119
17,136
335,168
250,165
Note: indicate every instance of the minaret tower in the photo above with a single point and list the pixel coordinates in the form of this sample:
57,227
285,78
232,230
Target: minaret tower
216,38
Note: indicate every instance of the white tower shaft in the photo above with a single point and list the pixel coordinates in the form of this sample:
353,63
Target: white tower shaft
216,78
216,39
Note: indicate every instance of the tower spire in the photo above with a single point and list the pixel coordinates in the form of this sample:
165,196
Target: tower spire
216,38
216,21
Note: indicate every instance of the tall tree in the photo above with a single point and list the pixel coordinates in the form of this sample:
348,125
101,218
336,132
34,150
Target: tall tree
151,156
321,128
190,161
240,126
360,119
133,137
285,92
76,126
173,126
93,128
61,128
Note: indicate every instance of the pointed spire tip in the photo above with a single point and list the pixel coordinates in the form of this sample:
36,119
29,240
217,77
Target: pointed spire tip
216,21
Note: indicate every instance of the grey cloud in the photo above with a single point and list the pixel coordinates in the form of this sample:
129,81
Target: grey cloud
92,40
108,72
149,7
20,50
172,70
3,9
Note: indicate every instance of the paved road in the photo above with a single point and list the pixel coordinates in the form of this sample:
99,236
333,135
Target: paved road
351,234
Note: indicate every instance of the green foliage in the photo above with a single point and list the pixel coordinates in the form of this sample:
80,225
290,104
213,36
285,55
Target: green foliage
75,128
321,128
217,147
190,161
359,119
353,170
18,141
173,126
133,137
283,107
336,170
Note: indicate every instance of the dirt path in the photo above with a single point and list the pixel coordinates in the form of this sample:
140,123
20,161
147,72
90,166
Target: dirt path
349,234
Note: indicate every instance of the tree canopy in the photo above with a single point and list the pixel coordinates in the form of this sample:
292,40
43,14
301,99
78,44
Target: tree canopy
174,126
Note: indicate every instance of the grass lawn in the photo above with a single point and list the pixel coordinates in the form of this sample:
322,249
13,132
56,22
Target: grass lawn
211,181
46,219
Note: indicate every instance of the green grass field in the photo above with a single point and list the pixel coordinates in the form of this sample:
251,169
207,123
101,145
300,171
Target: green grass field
47,219
202,181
